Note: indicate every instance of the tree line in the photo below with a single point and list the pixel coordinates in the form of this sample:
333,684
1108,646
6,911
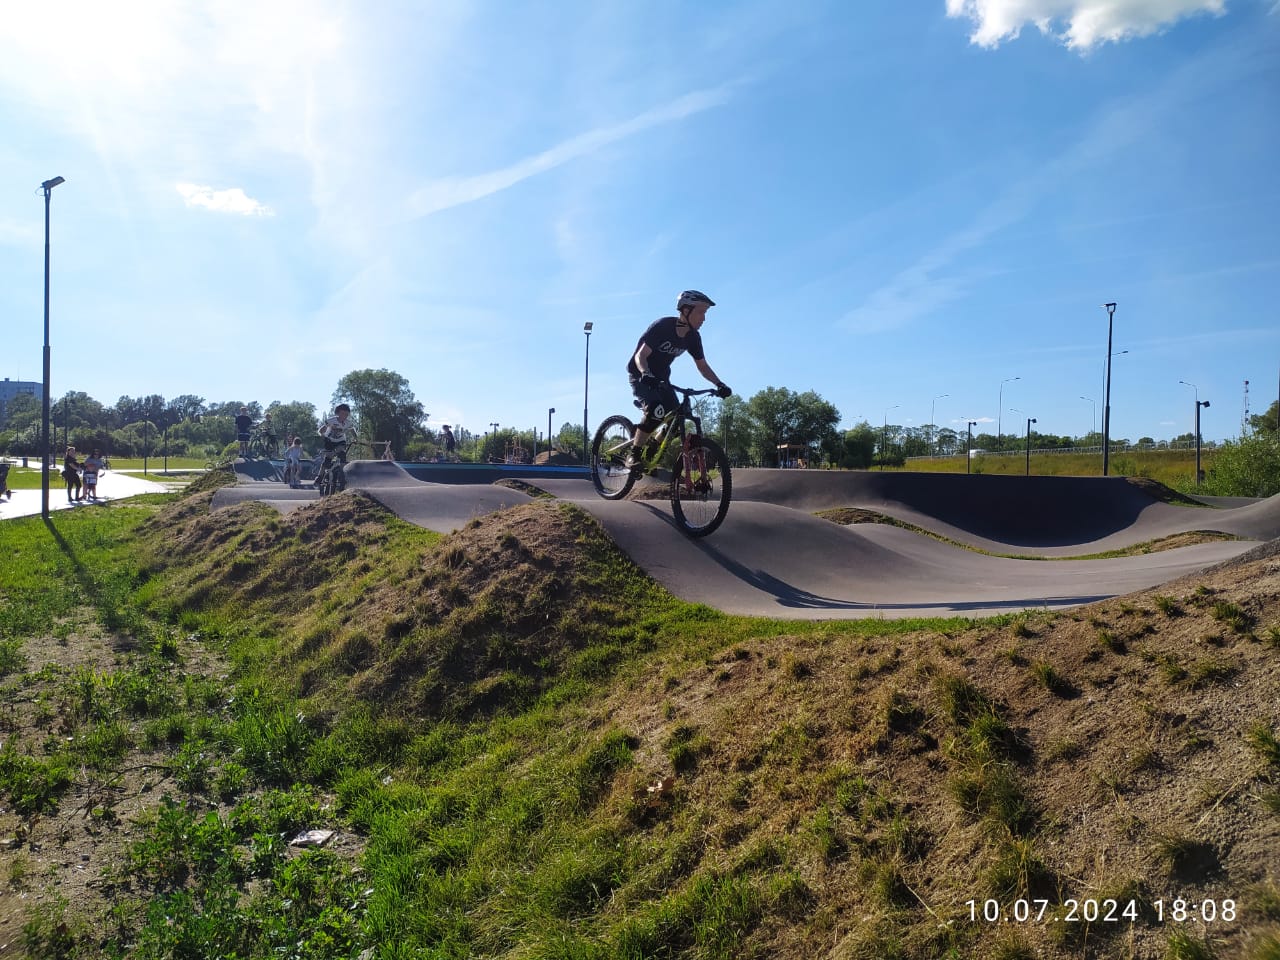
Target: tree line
772,426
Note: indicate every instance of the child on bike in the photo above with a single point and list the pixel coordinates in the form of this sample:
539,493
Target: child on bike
336,433
293,463
650,365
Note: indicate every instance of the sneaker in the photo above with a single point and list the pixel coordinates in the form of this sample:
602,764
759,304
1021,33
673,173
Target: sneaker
633,464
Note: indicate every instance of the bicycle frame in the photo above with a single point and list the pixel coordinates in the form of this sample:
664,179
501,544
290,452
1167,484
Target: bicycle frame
676,424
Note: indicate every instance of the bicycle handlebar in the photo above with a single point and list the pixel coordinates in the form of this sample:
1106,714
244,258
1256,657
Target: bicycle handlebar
688,392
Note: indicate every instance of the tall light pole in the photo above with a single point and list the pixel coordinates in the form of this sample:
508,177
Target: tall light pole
1000,409
550,411
968,448
1030,421
1106,403
586,380
884,442
46,450
933,427
1199,404
1093,417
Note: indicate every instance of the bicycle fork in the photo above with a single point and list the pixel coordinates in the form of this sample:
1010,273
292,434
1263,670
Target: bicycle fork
692,473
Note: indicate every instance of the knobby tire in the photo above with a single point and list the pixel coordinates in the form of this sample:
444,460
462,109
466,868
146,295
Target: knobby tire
701,487
609,448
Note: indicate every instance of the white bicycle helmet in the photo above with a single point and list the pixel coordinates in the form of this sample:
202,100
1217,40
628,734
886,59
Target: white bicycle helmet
692,298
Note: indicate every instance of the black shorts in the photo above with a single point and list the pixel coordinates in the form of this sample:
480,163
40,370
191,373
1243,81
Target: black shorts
656,400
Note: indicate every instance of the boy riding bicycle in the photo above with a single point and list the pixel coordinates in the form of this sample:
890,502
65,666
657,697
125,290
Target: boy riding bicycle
649,368
336,433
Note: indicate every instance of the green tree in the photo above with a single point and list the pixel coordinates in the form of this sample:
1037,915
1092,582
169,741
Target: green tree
569,439
231,408
186,407
383,405
295,418
136,409
782,416
1268,422
857,447
1249,467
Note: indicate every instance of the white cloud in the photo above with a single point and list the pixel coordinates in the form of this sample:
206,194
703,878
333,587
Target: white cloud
233,200
1088,22
454,191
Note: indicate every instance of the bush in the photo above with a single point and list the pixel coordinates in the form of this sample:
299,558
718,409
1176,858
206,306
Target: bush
1249,467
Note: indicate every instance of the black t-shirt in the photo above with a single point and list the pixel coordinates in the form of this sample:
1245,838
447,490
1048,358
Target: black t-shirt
666,345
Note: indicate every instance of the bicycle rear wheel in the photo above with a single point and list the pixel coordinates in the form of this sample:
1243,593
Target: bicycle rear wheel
612,478
701,487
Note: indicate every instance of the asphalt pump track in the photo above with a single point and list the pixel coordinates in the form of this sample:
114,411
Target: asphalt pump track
774,557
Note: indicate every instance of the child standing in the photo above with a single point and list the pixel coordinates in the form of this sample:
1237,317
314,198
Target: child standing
92,464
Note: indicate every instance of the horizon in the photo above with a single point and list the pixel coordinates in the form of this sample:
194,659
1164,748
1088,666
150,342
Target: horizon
902,210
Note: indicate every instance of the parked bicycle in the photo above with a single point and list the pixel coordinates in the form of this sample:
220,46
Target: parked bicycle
262,443
701,481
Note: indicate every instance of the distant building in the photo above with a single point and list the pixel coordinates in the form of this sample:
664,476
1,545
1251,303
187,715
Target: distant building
12,388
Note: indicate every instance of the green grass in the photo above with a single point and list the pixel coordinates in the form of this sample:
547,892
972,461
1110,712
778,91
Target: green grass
1185,946
1266,746
1173,468
475,749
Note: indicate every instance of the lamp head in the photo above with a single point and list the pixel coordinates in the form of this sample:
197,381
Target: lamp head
50,184
586,327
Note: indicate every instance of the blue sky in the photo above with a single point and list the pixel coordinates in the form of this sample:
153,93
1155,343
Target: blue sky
901,206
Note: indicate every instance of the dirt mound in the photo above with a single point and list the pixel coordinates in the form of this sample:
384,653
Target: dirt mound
557,458
376,609
212,480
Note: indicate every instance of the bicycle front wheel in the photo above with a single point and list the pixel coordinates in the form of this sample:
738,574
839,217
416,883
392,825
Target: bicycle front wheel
701,487
610,474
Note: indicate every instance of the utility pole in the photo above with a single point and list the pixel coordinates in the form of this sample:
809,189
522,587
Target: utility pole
1106,407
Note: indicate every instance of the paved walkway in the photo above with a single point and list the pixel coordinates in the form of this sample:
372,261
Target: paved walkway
112,485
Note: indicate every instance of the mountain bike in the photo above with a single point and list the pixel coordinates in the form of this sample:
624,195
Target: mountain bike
262,443
701,482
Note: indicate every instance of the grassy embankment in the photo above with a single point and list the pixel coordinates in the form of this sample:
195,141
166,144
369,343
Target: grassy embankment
526,749
1174,468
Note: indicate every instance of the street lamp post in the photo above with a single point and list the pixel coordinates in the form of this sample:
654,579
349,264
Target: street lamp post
550,411
1030,421
1106,403
495,435
1093,416
1199,403
586,380
884,441
933,427
968,448
46,451
144,447
1000,410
